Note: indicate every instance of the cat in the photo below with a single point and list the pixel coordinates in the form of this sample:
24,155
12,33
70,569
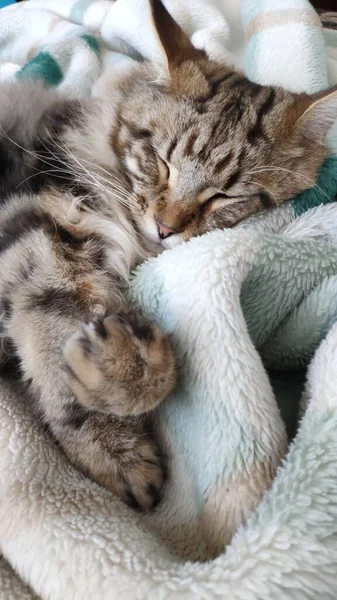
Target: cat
91,188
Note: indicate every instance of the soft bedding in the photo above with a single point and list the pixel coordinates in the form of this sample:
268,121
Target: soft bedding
247,309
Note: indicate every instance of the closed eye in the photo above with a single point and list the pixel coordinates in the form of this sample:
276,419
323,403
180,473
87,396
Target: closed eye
218,196
214,198
164,169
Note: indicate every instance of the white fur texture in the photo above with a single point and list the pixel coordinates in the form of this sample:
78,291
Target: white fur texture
222,429
73,540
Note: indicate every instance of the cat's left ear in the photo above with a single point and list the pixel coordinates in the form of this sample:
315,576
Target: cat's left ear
318,116
175,43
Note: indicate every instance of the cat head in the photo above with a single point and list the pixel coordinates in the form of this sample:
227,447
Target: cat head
201,147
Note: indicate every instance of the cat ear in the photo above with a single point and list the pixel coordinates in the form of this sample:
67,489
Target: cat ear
175,43
318,117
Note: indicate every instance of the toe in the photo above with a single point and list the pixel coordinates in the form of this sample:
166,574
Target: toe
146,479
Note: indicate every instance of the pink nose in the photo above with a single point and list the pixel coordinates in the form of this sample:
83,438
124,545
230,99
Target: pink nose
164,230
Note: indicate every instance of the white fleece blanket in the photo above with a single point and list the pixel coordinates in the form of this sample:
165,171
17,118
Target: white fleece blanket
222,429
72,540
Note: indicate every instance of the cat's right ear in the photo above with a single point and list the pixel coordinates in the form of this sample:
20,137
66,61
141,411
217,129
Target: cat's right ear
318,113
175,43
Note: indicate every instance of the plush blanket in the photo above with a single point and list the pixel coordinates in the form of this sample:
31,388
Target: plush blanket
246,310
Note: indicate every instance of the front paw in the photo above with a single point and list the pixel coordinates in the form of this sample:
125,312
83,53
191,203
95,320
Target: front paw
139,483
119,454
117,366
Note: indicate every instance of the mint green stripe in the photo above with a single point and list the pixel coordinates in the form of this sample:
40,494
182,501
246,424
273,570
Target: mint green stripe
79,9
323,193
42,66
91,41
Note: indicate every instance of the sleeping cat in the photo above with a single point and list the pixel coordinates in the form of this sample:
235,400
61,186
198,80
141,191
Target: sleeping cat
88,190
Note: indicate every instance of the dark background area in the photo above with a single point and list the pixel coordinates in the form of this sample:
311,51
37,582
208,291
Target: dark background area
325,4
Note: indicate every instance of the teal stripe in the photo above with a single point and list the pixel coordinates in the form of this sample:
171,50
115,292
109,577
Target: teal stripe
91,41
324,192
42,66
79,9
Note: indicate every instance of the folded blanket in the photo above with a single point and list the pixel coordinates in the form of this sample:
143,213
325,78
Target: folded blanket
68,43
234,302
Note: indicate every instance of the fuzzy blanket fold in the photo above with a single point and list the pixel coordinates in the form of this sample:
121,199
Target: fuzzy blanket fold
242,306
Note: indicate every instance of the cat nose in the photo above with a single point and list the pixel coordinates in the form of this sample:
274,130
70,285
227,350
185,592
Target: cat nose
164,230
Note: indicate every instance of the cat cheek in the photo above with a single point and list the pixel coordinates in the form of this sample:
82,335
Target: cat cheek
207,222
190,231
142,203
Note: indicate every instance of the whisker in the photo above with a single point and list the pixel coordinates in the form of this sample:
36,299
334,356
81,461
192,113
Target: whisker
97,181
39,172
91,181
304,177
112,187
112,178
267,190
5,135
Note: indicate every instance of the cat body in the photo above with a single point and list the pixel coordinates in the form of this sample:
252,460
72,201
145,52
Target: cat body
89,189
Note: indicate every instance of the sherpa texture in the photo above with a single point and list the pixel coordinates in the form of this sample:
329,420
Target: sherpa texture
70,539
224,298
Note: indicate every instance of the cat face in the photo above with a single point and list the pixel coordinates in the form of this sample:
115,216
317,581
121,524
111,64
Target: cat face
206,148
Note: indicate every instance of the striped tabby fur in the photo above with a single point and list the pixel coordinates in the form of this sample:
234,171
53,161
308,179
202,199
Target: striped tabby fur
88,190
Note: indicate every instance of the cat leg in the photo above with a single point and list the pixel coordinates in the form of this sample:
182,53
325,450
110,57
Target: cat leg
118,453
76,374
93,396
123,370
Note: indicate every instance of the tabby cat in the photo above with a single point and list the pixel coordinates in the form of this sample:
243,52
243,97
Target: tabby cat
91,188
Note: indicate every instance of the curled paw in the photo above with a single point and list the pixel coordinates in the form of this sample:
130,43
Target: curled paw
141,482
115,365
121,455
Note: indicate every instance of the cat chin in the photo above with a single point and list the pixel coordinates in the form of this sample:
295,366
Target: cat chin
172,241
